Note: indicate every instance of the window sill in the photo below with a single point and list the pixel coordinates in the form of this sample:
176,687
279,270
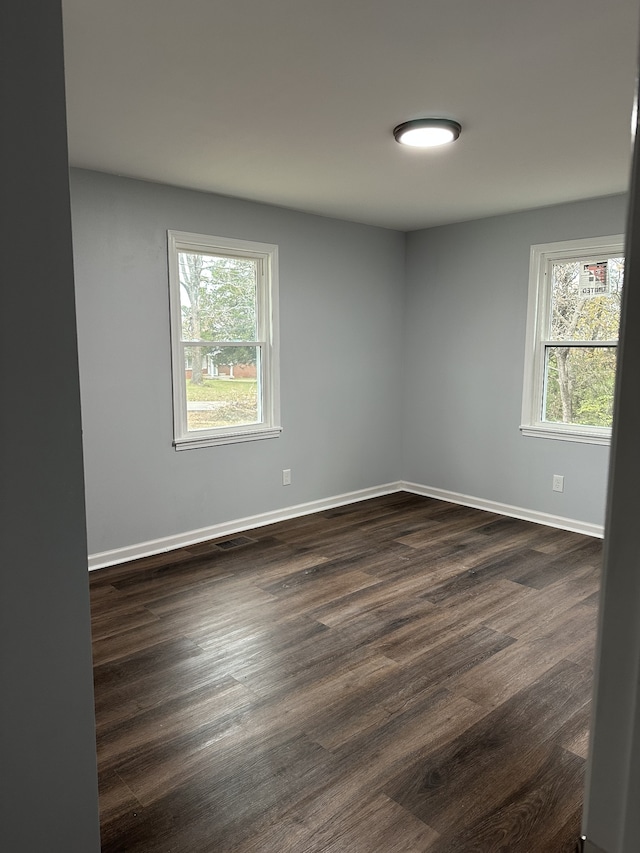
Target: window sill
193,441
555,431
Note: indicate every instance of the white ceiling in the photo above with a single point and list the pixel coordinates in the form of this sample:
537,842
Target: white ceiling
292,102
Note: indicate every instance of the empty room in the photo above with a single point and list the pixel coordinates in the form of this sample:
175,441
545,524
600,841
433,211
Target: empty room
324,428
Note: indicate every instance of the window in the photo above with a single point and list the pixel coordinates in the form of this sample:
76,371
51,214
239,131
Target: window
575,290
223,296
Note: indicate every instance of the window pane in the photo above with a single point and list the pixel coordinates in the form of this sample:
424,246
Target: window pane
579,383
217,297
579,309
223,387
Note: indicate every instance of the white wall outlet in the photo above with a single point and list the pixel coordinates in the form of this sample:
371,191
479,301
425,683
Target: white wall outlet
286,476
558,483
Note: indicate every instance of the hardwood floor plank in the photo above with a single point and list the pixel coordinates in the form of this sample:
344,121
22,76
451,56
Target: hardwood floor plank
370,826
459,653
212,811
480,601
400,674
528,817
373,604
114,645
531,614
470,776
116,798
324,668
130,616
380,701
424,722
188,717
574,735
149,677
311,594
504,675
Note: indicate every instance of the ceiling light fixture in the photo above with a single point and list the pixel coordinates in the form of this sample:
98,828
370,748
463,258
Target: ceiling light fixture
427,132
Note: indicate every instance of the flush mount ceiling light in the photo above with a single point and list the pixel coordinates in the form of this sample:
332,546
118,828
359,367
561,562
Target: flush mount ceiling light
427,132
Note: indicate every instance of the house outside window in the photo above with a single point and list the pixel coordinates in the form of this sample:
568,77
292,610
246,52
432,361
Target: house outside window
224,337
575,290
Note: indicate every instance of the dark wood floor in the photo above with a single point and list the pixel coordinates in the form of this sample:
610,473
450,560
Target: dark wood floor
398,676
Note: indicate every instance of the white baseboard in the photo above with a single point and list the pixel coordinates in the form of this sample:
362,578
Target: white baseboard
572,524
227,528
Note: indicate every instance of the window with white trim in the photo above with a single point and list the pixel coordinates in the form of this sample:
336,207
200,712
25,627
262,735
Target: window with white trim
224,339
575,290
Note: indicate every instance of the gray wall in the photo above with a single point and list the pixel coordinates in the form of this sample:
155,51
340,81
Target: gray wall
341,305
49,797
466,308
385,376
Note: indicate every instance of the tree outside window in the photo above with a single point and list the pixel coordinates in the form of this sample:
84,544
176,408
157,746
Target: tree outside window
223,328
575,293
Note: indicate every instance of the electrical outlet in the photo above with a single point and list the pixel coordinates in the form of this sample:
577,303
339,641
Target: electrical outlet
286,476
558,483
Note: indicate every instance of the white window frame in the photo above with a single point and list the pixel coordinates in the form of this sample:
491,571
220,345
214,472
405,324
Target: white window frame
266,255
543,255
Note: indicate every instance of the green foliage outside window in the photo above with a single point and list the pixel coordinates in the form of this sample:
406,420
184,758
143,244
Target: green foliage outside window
579,380
218,302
